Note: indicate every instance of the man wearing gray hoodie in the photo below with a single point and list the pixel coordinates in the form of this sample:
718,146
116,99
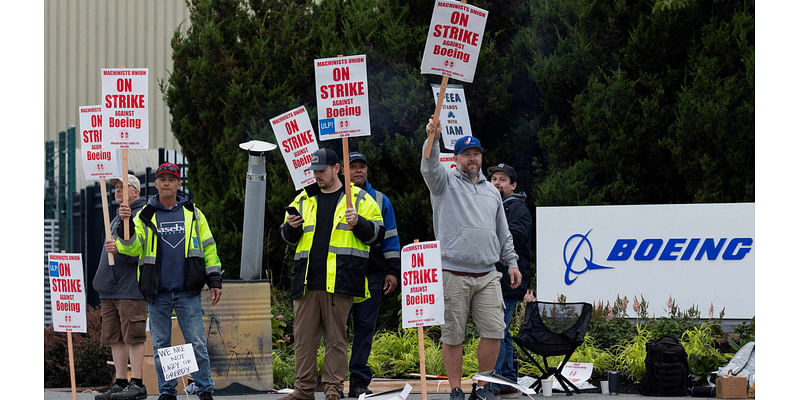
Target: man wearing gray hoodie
470,224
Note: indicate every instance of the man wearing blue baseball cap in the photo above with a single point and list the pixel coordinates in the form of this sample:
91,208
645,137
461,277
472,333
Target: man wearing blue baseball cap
470,223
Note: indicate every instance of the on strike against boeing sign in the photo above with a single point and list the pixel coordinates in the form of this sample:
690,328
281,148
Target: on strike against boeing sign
601,252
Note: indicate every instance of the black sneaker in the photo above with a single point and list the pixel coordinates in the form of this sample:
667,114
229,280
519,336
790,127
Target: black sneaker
356,391
457,394
133,391
483,393
114,388
204,396
167,397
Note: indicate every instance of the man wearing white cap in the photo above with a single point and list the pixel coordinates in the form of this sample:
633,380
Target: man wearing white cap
123,308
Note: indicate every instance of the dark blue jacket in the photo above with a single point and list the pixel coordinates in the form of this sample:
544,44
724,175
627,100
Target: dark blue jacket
385,257
519,223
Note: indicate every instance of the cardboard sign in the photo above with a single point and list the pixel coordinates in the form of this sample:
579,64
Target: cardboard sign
124,108
67,293
342,97
177,361
294,132
454,40
98,162
448,160
454,116
422,288
577,373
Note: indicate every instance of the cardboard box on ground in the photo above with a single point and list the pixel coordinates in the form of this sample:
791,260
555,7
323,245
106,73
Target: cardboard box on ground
731,387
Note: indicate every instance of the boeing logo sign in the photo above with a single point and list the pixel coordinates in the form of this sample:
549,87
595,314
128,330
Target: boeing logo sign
578,253
575,245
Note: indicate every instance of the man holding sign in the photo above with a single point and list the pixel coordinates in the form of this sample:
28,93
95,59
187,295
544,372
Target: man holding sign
123,308
469,221
177,257
329,270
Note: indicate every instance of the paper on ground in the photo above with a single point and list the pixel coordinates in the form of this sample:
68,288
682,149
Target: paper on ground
397,394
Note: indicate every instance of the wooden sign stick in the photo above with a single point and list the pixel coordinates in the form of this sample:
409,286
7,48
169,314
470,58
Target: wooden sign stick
439,101
421,344
125,221
107,224
183,379
71,366
346,162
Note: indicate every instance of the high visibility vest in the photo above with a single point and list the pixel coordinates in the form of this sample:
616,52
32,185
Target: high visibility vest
348,257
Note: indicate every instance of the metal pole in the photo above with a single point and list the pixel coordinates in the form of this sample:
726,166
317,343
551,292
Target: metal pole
255,196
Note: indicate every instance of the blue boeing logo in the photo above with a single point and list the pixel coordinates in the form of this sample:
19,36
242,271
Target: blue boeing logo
578,241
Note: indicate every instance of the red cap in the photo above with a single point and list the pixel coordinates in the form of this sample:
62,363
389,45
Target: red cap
168,168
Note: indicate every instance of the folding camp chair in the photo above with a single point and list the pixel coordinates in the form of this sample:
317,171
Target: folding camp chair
553,329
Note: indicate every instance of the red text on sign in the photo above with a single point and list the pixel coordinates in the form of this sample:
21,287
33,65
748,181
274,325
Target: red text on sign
299,140
342,90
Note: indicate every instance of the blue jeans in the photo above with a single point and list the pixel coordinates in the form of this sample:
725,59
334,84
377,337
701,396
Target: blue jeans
364,316
505,358
190,319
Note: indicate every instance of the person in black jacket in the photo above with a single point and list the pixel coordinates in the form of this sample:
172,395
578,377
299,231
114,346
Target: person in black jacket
504,178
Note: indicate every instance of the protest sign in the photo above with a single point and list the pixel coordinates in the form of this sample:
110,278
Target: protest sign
342,97
422,289
294,132
448,160
454,40
98,162
67,293
453,115
124,108
177,361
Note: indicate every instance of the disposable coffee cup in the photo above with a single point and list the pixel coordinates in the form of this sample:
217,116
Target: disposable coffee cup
613,382
547,387
604,387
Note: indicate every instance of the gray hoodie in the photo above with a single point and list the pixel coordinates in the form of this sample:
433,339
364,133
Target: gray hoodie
468,219
119,281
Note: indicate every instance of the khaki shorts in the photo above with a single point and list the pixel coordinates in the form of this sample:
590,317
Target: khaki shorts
122,320
482,296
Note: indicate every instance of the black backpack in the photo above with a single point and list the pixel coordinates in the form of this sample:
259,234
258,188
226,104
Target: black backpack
666,368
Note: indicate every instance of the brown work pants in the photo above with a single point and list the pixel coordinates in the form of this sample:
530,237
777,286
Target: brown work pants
315,313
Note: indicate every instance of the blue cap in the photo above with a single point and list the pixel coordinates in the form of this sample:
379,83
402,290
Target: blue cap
467,142
354,155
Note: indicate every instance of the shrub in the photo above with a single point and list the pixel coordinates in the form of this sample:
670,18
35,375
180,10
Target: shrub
704,357
631,355
283,369
89,354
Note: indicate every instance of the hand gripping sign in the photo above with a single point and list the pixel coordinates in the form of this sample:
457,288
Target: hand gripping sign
295,134
67,293
342,97
454,40
124,107
453,115
422,289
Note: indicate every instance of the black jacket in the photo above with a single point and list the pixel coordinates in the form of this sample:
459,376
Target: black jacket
520,224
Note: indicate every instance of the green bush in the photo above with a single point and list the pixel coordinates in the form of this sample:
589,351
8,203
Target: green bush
631,355
89,354
283,369
704,357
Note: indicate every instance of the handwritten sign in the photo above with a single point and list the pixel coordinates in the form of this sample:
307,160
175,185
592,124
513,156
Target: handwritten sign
177,361
98,162
422,288
454,116
67,293
454,40
342,97
294,132
124,107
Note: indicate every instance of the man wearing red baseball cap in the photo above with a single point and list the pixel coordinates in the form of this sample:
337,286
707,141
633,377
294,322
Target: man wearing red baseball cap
177,257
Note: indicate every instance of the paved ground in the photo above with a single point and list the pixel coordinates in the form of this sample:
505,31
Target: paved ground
66,395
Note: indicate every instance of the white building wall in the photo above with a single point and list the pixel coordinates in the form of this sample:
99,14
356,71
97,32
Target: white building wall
83,36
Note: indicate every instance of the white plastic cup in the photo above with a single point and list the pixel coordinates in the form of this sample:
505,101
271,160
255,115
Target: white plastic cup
604,387
547,387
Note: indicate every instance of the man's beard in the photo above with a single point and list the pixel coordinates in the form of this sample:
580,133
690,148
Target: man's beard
472,174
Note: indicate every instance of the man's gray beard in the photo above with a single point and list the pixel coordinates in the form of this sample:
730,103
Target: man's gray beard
471,174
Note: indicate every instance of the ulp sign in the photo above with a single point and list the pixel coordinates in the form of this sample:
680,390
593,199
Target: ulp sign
67,294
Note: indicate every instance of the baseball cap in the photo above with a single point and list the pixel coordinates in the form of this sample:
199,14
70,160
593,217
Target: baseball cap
509,170
467,142
323,158
132,181
358,156
168,168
